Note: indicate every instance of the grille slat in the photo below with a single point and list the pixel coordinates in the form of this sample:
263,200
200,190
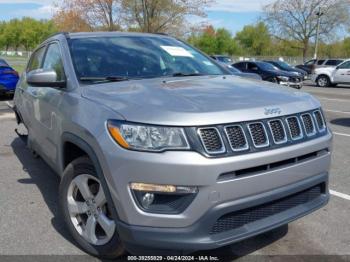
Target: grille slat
278,132
258,134
308,124
211,140
294,128
241,218
320,121
236,137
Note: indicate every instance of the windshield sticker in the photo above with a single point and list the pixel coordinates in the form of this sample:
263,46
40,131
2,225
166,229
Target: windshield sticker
176,51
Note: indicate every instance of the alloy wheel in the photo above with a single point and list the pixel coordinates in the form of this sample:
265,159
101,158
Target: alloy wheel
88,210
322,81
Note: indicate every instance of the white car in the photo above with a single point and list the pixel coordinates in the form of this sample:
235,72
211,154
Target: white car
332,76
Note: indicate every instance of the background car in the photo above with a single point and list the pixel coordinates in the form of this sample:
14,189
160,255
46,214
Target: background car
8,78
236,72
269,72
310,65
286,67
332,76
223,59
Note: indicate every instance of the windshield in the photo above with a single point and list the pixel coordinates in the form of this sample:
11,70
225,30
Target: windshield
266,66
137,57
283,65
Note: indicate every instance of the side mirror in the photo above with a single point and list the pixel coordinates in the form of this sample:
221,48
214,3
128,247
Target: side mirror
44,78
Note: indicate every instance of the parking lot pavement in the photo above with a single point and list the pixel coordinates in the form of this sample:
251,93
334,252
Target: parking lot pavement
31,225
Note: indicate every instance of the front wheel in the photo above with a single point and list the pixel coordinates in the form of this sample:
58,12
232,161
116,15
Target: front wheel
86,212
323,81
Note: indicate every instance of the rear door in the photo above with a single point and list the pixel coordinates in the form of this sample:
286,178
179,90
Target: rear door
342,73
24,93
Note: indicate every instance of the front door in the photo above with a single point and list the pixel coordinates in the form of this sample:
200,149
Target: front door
342,73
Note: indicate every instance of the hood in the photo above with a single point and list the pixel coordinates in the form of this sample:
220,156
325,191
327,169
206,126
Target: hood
282,73
194,101
300,71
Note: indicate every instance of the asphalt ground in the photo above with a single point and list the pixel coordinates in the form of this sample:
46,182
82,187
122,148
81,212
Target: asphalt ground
30,225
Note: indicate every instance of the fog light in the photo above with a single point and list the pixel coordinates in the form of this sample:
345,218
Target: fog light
163,188
147,200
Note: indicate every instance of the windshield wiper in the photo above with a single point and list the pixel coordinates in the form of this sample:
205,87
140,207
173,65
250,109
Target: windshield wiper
104,79
186,74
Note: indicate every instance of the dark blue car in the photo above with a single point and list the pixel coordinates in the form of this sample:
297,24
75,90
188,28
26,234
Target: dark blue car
8,78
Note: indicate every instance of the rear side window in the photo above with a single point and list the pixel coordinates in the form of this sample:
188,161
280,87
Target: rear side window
53,61
36,60
333,62
320,62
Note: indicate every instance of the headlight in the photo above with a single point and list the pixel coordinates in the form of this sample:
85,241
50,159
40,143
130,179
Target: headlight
147,137
283,78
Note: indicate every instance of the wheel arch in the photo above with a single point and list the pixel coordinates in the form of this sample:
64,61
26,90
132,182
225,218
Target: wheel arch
323,75
84,147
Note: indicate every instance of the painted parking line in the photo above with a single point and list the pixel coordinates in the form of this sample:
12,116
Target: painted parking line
7,116
336,111
338,194
334,99
341,134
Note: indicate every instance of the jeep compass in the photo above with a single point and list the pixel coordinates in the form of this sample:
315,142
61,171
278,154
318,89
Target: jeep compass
159,148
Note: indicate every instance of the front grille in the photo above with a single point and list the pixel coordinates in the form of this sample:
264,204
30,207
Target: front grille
211,140
265,134
294,127
238,219
258,134
308,124
236,137
278,132
319,119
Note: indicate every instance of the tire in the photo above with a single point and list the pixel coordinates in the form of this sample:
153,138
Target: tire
273,80
323,81
80,183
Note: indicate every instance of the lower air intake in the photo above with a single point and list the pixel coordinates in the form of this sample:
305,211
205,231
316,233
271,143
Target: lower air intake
241,218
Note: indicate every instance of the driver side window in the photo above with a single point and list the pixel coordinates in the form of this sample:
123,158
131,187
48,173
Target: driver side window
53,61
252,67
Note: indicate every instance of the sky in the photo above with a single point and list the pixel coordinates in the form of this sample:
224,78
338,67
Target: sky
231,14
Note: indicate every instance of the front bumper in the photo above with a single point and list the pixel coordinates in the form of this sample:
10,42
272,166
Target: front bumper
198,235
190,229
292,84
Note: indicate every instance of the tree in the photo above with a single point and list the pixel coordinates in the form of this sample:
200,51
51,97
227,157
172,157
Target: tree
71,21
12,34
213,41
88,15
26,33
255,39
297,19
162,16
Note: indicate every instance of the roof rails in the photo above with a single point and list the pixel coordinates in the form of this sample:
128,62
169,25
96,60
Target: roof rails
58,33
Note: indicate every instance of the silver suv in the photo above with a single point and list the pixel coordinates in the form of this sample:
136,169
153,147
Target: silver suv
159,148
